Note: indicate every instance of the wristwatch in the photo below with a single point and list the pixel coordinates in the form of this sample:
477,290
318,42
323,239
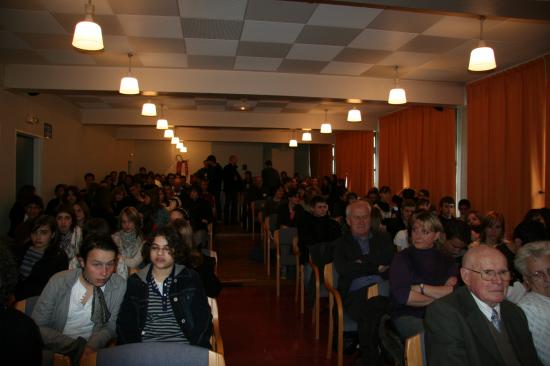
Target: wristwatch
422,288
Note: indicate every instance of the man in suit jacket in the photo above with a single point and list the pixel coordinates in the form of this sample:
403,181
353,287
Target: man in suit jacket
476,325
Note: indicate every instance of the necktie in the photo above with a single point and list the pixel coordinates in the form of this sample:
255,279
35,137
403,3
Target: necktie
495,319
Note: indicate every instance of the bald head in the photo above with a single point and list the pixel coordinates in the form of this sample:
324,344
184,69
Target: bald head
474,255
358,218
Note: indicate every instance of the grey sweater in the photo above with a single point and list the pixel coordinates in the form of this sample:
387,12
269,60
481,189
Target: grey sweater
51,310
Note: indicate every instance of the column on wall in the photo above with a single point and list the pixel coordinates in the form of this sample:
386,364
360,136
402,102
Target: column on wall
417,150
507,138
354,152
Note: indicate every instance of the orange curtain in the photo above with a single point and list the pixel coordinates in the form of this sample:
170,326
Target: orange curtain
417,150
354,159
320,159
546,174
506,141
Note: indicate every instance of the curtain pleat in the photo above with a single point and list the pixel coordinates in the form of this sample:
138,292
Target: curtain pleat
354,152
320,159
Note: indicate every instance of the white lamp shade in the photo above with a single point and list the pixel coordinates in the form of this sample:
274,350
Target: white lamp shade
326,128
87,36
162,124
149,109
179,145
397,96
482,59
293,143
175,140
306,136
183,149
168,133
354,115
129,85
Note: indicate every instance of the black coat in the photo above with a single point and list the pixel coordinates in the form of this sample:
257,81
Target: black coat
313,230
188,301
232,181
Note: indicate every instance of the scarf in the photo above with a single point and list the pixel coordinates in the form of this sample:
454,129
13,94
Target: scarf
129,243
65,243
100,312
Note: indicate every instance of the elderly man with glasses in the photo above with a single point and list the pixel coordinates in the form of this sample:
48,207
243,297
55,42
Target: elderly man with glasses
533,262
476,325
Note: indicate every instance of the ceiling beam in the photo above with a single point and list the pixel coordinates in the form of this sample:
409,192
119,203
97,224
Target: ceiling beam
94,78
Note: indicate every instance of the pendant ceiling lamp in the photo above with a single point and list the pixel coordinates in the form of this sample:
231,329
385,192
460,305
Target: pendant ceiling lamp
87,33
292,142
169,133
482,58
129,84
326,127
306,135
179,145
175,140
354,115
162,123
149,109
397,95
183,149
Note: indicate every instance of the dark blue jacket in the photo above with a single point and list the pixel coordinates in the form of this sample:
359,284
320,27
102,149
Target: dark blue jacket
188,301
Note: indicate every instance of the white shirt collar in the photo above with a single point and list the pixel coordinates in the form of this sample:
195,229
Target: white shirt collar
486,309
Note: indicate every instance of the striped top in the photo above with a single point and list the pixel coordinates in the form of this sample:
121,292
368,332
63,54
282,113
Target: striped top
29,260
161,324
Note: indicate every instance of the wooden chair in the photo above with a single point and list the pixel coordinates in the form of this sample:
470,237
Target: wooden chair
160,353
415,354
210,229
255,207
344,322
269,226
300,285
284,237
216,341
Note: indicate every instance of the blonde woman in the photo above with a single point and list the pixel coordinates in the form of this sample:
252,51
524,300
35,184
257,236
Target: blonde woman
129,240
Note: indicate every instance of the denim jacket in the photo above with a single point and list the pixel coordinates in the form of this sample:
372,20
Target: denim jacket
188,300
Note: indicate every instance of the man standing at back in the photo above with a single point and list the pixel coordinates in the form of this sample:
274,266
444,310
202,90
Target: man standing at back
232,183
270,177
476,325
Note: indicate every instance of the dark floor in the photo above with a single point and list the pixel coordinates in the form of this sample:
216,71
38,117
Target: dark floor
257,327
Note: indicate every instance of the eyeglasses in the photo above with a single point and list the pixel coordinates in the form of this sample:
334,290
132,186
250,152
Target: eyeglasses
164,249
540,275
491,275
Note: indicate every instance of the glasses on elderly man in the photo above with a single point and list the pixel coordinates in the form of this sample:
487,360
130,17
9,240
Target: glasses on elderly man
540,275
491,275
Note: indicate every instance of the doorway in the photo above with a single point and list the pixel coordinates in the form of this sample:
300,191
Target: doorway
25,162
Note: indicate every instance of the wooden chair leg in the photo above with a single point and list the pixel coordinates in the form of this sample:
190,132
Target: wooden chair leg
278,272
330,325
317,308
268,260
302,289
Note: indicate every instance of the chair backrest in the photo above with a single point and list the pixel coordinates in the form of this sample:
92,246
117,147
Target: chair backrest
331,276
415,354
272,222
286,235
154,353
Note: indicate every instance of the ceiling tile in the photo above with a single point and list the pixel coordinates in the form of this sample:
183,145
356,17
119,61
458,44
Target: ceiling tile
404,21
406,59
157,45
279,11
109,58
153,26
345,68
375,39
211,47
145,7
29,21
18,4
270,32
263,49
459,27
314,34
342,16
212,28
519,31
431,44
302,66
101,7
210,62
109,23
257,63
175,60
381,71
213,9
361,56
21,57
47,41
9,40
437,75
117,44
67,57
313,52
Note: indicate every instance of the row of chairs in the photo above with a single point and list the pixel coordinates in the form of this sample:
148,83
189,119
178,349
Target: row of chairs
288,238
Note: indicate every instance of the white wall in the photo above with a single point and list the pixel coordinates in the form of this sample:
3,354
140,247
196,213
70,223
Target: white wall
247,153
